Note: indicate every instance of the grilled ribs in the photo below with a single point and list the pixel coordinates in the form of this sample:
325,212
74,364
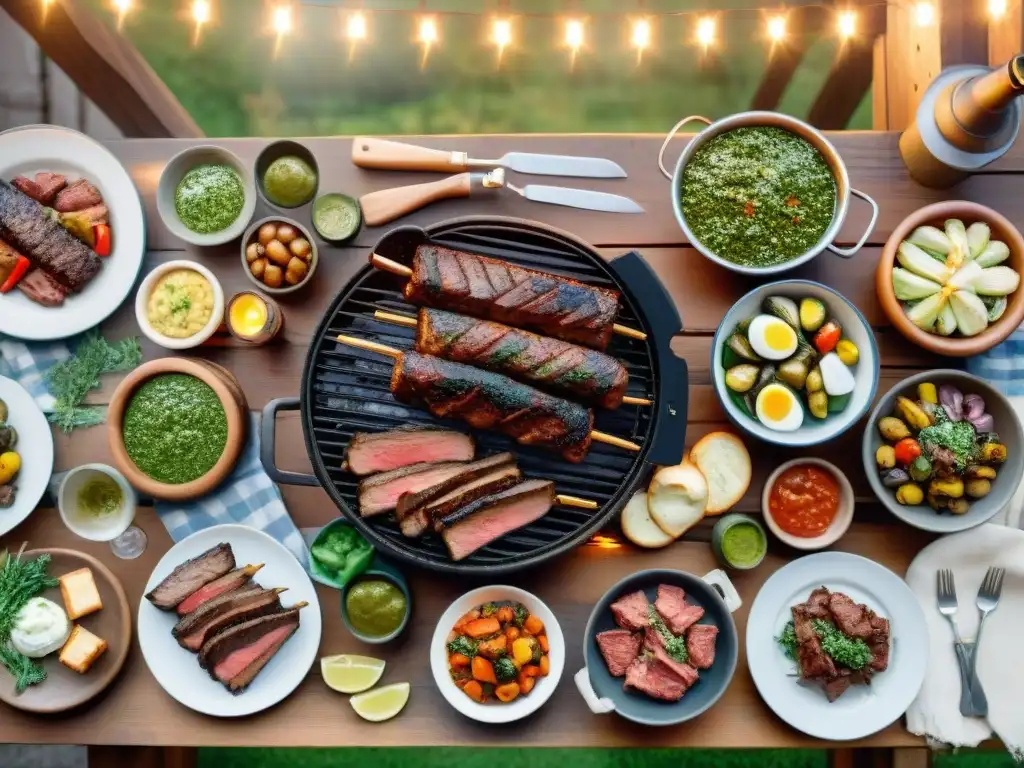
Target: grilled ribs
491,401
557,366
494,290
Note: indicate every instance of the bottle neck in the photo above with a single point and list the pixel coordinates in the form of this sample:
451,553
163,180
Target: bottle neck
979,105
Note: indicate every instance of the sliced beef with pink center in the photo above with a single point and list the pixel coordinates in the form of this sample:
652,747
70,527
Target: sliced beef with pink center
675,611
700,644
655,679
654,643
619,648
632,611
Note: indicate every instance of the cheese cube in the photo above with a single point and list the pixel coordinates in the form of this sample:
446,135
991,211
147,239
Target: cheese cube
81,597
82,649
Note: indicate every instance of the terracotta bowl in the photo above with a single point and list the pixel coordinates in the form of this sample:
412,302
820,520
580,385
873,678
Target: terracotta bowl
235,407
936,214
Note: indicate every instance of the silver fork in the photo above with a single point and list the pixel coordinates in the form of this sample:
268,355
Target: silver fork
988,599
946,590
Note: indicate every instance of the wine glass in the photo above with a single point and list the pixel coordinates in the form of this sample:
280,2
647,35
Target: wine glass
97,503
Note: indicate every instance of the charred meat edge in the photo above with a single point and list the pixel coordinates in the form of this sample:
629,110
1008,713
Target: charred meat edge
407,502
510,494
245,608
191,575
382,478
449,504
227,641
208,610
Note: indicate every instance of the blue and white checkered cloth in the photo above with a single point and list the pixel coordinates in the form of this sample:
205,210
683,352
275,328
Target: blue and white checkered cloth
1002,365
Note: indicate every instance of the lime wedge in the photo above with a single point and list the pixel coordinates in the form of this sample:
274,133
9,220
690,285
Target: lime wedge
351,674
381,704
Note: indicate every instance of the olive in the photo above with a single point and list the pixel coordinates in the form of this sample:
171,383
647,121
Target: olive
286,233
278,253
267,233
254,251
300,247
273,276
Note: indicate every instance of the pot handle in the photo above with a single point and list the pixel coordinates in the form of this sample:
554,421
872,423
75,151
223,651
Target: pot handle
599,706
848,252
671,135
268,442
720,582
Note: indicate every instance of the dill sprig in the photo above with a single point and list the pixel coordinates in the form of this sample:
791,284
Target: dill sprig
20,581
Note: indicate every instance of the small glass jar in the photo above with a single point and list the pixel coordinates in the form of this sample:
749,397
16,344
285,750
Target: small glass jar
254,318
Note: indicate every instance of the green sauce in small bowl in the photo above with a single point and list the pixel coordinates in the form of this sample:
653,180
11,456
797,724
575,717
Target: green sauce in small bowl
739,542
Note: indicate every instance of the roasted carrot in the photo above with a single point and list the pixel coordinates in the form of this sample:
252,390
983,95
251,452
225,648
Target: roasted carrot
526,685
505,614
458,660
492,649
543,640
482,627
474,690
507,692
545,666
483,670
533,625
465,619
530,670
512,633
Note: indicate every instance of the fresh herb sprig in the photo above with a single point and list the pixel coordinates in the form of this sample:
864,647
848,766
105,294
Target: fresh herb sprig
674,646
20,581
69,381
851,652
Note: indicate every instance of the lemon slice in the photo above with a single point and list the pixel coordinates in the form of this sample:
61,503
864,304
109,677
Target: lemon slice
348,673
381,704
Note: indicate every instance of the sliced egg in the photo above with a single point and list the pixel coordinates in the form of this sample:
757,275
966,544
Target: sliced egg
779,408
771,338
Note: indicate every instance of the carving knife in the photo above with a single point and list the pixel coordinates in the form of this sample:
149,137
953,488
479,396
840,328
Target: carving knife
389,204
395,156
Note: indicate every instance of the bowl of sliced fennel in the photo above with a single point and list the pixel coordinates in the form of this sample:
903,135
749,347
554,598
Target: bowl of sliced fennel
949,276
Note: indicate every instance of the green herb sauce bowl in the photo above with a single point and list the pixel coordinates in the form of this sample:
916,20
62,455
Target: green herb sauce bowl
722,545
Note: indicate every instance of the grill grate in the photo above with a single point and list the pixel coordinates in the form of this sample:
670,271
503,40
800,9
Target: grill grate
347,391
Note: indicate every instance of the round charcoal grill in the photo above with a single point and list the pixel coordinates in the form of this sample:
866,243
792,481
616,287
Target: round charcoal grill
346,390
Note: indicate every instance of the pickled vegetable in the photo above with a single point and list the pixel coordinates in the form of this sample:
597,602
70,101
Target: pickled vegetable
945,324
996,307
812,314
996,252
894,478
926,312
783,308
978,488
793,372
885,457
847,352
996,281
893,429
739,344
978,235
920,263
965,277
912,414
931,239
909,495
957,234
741,377
971,314
814,382
764,378
920,469
817,403
927,393
827,337
909,287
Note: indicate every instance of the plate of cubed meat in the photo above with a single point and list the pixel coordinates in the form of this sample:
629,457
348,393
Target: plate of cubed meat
660,646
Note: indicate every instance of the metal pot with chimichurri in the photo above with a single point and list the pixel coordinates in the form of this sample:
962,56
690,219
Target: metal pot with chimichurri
761,192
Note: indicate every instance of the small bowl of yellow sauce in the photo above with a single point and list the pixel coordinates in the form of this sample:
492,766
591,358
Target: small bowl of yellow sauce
375,606
179,305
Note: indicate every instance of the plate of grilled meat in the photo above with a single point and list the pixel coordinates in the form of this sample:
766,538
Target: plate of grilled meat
230,623
837,645
72,233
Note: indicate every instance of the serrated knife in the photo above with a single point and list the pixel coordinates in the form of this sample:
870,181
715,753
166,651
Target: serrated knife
396,156
387,205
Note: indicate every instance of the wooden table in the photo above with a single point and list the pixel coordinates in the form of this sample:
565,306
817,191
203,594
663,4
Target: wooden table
135,711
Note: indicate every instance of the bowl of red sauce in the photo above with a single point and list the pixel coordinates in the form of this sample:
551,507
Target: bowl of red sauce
808,503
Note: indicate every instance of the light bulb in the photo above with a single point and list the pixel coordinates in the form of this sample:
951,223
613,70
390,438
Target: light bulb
776,28
846,24
282,19
997,8
501,36
924,14
428,31
122,7
641,34
574,33
706,31
355,27
201,11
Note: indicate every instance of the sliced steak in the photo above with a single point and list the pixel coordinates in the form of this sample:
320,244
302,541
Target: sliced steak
653,678
470,471
191,575
380,493
879,643
478,524
817,604
654,643
632,611
851,618
76,196
237,655
49,185
811,657
619,649
226,583
227,641
370,452
836,687
417,521
214,607
42,289
678,614
700,644
238,609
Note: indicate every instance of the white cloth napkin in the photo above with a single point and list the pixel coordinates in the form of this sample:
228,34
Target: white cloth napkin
935,712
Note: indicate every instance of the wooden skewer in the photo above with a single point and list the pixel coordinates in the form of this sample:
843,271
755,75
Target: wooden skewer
388,265
410,322
395,354
574,501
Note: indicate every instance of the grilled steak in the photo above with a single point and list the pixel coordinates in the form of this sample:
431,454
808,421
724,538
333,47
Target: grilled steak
678,614
42,288
474,469
191,575
632,611
851,618
379,493
418,521
478,524
221,586
370,452
237,608
879,643
587,375
619,648
491,401
236,655
77,196
495,290
652,677
654,643
700,644
811,657
50,247
43,189
212,607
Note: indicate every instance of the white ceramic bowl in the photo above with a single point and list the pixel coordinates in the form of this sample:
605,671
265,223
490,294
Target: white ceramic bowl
175,170
250,237
840,523
855,328
496,712
142,299
67,500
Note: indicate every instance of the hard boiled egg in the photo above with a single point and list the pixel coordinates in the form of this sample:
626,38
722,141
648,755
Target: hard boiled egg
779,408
771,338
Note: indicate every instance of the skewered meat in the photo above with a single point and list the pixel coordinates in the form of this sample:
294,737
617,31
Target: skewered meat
43,189
370,452
76,196
191,575
379,493
492,401
230,610
236,655
42,289
478,524
50,247
226,583
486,485
471,471
495,290
557,366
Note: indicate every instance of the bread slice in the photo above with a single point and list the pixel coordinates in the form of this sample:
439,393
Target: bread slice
638,525
724,460
82,649
81,597
677,498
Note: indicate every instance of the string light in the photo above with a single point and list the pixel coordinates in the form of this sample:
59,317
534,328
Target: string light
706,32
200,16
846,24
122,7
641,37
281,25
573,39
427,36
501,36
776,28
355,27
924,14
997,8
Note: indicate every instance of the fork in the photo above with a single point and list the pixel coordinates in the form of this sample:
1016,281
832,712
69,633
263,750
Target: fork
988,599
946,589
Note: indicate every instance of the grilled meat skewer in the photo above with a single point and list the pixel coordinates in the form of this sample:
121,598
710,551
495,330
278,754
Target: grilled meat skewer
566,369
495,290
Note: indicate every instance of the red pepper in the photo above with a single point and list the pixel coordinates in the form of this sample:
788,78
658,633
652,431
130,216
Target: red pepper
102,233
825,340
907,450
20,268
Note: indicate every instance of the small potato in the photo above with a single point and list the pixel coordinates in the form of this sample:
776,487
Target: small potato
254,251
296,271
300,247
273,276
257,268
278,253
267,233
286,233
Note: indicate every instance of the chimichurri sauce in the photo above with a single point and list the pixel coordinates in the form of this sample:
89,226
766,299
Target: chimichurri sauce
209,198
758,196
175,428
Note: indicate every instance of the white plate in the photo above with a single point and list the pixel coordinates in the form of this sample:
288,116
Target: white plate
45,148
35,446
178,670
862,710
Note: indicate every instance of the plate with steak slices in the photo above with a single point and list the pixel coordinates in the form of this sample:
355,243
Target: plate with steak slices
230,623
660,646
837,645
72,233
